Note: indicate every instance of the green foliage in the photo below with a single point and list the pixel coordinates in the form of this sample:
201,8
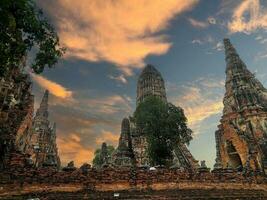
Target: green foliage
97,161
23,27
164,126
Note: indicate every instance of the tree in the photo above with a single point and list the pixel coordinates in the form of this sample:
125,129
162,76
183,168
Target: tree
164,126
98,160
23,27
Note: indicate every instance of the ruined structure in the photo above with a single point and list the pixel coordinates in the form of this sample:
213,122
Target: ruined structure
241,144
104,156
70,167
150,82
129,183
43,140
132,144
16,110
123,155
241,138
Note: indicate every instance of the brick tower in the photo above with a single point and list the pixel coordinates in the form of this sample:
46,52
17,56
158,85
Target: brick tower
242,134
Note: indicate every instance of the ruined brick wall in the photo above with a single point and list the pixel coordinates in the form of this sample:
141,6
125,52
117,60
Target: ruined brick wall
25,125
127,176
67,183
247,149
16,112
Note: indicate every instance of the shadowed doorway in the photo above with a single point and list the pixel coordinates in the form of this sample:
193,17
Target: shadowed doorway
234,158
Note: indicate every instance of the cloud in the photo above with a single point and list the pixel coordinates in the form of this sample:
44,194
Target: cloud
197,41
226,6
263,41
198,24
93,120
247,17
204,40
85,121
191,94
81,127
54,88
196,104
110,104
121,32
264,56
203,111
219,46
261,55
259,37
121,78
200,100
70,149
209,40
202,24
75,138
108,137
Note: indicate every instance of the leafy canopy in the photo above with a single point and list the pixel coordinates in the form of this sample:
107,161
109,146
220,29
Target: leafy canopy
164,126
97,161
23,27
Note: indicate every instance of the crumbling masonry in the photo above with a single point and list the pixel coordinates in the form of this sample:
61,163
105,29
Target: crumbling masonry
241,138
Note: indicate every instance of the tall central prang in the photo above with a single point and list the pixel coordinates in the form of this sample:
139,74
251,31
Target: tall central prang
150,82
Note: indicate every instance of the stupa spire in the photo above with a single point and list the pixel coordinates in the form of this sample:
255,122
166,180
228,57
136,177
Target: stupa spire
43,109
243,90
240,137
230,52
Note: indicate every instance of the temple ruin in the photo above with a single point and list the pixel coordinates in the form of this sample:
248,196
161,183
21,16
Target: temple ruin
30,165
241,138
16,111
43,137
132,144
24,140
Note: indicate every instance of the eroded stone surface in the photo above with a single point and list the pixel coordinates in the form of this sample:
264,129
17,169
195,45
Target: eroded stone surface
103,181
123,155
241,136
16,110
43,141
24,141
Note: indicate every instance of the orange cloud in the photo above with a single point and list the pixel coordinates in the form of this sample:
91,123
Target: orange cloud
192,94
197,111
54,88
70,149
241,22
203,111
108,137
199,103
123,32
75,138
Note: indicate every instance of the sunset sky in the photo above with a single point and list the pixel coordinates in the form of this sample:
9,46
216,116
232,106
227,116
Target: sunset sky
109,41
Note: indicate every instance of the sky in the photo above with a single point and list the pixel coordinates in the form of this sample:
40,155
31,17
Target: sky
109,42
